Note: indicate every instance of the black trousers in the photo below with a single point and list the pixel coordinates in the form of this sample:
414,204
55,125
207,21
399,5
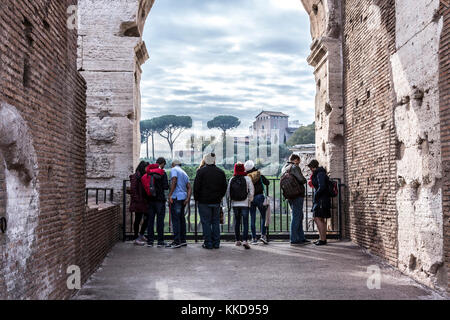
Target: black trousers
137,221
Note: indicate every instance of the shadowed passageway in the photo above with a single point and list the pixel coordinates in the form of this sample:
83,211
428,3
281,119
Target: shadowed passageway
275,271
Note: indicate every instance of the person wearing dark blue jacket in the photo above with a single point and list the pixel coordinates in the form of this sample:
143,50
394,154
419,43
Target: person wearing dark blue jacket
321,201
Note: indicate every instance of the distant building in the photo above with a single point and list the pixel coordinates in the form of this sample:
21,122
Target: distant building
306,152
269,122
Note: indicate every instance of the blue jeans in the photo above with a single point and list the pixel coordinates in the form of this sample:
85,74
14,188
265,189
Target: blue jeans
156,209
258,202
297,234
210,219
240,213
178,221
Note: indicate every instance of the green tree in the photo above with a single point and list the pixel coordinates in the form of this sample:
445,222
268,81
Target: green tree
303,135
224,123
170,127
148,129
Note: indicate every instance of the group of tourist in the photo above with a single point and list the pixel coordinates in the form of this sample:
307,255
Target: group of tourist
245,192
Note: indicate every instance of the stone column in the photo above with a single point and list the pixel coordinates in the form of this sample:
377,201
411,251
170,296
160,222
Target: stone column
326,58
110,55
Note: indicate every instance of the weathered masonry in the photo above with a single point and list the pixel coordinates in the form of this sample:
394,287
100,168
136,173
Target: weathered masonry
70,109
378,64
110,55
43,156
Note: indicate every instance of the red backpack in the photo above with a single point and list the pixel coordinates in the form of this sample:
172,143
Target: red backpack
149,179
149,184
333,189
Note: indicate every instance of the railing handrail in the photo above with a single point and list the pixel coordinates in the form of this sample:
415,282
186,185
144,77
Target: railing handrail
105,190
280,222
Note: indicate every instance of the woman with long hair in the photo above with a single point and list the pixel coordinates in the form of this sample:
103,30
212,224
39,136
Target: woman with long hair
138,203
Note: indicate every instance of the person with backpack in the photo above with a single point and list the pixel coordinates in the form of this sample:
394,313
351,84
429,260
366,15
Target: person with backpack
139,203
292,183
210,186
260,183
321,200
179,198
240,193
155,183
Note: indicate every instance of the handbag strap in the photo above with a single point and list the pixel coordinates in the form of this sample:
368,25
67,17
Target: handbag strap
263,185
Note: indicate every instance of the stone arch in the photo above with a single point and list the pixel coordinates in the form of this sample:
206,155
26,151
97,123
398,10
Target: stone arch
19,169
110,55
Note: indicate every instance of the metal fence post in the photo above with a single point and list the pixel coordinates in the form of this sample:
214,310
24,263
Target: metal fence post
124,208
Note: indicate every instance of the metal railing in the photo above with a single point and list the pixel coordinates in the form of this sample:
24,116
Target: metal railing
279,226
104,194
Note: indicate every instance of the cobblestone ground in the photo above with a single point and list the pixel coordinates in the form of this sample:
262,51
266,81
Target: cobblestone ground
276,271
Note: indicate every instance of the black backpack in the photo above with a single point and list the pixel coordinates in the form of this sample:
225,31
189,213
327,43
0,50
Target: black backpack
290,185
238,188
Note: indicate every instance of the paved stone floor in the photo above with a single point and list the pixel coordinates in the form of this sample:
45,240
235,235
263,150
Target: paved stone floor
275,271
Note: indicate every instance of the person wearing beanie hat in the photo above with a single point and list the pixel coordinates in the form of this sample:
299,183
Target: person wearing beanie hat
210,159
210,186
240,193
260,183
249,165
292,170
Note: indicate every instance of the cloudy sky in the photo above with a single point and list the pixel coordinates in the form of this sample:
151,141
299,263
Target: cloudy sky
230,57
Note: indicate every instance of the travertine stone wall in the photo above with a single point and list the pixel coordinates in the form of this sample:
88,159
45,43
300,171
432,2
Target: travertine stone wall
110,55
415,73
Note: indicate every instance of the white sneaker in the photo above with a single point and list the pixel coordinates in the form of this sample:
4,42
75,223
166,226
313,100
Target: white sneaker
254,241
246,245
238,243
263,239
139,242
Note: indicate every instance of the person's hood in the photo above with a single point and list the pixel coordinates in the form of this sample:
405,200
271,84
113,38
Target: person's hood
255,175
239,170
154,168
320,169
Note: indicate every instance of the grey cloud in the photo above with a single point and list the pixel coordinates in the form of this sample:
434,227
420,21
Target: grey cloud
272,36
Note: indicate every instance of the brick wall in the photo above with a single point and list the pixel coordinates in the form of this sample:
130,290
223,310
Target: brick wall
2,214
100,230
444,88
370,143
40,82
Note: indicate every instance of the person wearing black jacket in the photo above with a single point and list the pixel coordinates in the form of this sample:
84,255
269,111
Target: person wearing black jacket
260,183
157,204
210,186
321,201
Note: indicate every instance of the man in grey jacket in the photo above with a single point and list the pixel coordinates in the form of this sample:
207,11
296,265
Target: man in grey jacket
297,233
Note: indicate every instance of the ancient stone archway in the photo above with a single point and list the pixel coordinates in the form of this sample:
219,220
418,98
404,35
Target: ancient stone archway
373,86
